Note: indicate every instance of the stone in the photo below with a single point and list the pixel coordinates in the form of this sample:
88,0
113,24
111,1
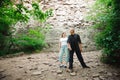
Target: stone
53,70
116,74
42,78
89,61
97,64
28,6
54,58
102,71
54,74
19,79
96,75
19,54
2,70
35,68
1,58
36,73
109,74
25,72
96,78
30,58
54,64
2,76
73,74
46,63
60,75
59,71
20,66
63,78
61,13
101,77
50,64
43,70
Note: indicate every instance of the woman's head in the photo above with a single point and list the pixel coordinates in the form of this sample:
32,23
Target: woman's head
72,31
63,34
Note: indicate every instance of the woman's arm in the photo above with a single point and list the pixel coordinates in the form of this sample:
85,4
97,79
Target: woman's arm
59,45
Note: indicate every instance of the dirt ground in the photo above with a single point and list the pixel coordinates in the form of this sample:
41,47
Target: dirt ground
45,66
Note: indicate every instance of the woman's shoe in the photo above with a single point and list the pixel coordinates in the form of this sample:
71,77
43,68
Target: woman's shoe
61,66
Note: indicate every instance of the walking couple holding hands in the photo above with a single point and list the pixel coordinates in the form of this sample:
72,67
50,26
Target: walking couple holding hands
69,45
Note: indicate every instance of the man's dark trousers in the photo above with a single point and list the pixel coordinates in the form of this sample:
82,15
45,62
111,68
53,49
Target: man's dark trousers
79,56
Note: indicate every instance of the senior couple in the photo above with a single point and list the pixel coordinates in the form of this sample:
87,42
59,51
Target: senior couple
69,45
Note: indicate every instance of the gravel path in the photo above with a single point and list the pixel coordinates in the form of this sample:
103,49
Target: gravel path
44,66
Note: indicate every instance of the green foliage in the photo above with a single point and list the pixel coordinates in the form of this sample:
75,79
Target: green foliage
8,17
30,41
39,14
107,18
10,14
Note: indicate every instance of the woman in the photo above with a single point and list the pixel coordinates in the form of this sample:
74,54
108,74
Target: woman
63,50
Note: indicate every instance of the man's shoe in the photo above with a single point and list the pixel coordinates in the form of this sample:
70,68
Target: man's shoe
86,67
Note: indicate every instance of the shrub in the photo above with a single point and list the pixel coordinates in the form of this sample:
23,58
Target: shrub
107,18
30,41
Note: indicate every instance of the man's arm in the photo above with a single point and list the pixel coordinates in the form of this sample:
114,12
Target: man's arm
79,43
80,46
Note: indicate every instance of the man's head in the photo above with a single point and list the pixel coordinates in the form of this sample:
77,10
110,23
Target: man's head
72,31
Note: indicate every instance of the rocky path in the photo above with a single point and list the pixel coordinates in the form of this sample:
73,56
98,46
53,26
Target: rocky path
44,66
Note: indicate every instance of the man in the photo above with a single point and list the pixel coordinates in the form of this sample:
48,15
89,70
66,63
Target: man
74,45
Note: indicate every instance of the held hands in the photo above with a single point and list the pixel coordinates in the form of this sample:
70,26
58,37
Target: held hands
70,48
